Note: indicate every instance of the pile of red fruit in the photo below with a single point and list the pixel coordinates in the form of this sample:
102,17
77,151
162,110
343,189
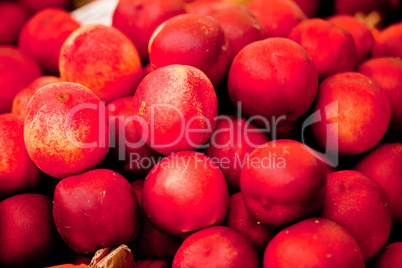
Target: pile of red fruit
207,133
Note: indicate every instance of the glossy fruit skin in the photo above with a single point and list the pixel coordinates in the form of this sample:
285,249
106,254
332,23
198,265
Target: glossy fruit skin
283,182
191,190
12,18
318,242
17,171
354,114
139,18
216,246
43,35
316,35
390,256
65,130
201,43
361,206
388,42
27,232
274,77
170,103
383,165
96,209
110,73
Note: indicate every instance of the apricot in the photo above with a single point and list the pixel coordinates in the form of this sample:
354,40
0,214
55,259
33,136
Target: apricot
43,35
313,242
278,16
103,59
208,7
17,70
390,256
361,206
388,42
282,182
191,190
27,232
96,209
12,17
316,36
65,129
352,115
273,79
174,109
139,18
194,40
216,246
37,5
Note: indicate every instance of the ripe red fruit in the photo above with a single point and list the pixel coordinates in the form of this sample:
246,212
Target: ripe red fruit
272,78
316,36
283,181
66,129
309,7
36,5
353,114
12,18
96,209
390,256
216,246
102,59
185,192
387,43
139,18
313,243
361,206
27,232
174,108
208,7
194,40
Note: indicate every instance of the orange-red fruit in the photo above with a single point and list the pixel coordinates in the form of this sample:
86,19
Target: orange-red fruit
12,18
36,5
139,18
216,246
390,256
17,171
383,164
309,7
66,129
208,7
317,36
351,115
27,232
361,206
17,70
388,42
314,242
43,35
282,182
195,40
278,16
174,109
102,59
185,192
274,77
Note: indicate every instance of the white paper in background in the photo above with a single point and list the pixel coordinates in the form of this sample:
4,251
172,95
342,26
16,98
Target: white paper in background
97,12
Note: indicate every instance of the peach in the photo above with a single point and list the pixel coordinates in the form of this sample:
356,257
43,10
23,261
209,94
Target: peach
390,256
208,7
386,72
17,70
240,26
27,232
361,206
17,171
314,242
96,209
191,190
128,152
36,5
21,100
317,36
388,42
361,34
12,18
139,18
353,6
230,144
282,182
309,7
216,246
43,35
352,114
278,16
103,59
194,40
274,79
240,220
174,109
383,165
65,129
